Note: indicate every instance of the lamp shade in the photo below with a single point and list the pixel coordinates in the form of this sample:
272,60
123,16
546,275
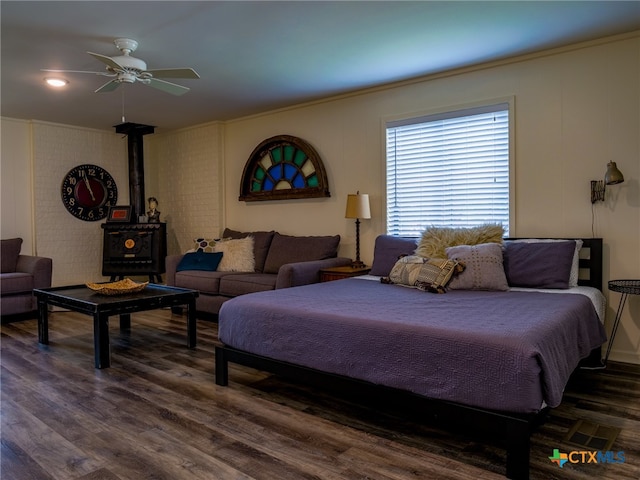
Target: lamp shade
358,206
613,175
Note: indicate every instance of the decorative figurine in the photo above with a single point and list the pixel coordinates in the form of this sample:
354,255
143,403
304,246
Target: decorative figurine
153,214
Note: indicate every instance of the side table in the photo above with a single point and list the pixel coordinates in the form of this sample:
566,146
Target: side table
626,288
338,273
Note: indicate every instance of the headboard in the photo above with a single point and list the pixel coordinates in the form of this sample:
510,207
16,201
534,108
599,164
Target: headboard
590,261
388,248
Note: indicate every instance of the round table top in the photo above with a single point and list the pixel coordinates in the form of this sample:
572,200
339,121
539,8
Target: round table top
625,286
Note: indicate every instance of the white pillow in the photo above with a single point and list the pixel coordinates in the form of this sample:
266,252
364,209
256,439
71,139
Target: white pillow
575,266
237,255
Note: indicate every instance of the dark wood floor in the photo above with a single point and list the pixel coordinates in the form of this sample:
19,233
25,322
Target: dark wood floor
157,414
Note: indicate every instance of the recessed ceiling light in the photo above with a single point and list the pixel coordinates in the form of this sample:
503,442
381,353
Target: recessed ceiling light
56,82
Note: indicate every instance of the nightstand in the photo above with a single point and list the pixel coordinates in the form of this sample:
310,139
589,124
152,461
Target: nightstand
625,287
338,273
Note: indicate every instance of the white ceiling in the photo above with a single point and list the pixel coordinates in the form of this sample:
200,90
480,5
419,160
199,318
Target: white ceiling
257,56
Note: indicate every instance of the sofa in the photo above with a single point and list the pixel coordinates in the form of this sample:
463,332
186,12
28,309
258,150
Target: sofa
246,262
20,274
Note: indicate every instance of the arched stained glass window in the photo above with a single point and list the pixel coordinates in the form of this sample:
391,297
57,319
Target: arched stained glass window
281,168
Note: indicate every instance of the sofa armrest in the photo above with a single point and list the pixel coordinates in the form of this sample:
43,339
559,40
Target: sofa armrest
304,273
40,267
170,264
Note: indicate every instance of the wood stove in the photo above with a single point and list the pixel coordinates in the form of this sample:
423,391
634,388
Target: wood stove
134,249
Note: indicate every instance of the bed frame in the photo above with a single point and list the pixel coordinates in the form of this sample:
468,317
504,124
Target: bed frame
512,431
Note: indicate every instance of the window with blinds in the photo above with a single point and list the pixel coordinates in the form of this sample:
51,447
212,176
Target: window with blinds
448,170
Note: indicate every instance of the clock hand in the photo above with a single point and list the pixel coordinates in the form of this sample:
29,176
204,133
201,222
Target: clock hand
86,181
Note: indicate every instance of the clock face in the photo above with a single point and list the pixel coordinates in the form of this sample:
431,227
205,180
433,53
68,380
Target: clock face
88,191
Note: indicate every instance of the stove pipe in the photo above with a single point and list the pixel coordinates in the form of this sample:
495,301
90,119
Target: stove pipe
135,132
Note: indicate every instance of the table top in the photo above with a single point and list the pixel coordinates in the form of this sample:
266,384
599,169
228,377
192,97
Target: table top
625,286
81,297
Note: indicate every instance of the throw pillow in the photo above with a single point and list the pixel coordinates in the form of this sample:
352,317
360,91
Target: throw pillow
538,265
205,244
261,244
435,240
199,261
388,249
291,249
237,255
484,269
427,274
10,250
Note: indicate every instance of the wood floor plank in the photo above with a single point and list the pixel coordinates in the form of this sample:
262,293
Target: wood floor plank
158,414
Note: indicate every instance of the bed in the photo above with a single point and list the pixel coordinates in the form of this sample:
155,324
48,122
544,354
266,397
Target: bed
493,361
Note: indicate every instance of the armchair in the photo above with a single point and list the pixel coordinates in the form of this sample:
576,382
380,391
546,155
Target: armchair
20,274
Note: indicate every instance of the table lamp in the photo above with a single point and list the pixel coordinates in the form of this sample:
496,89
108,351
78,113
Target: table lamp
358,207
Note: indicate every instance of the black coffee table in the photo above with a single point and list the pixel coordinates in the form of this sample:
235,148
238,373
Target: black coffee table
79,298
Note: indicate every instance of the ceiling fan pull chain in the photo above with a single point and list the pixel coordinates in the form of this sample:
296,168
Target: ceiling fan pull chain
122,90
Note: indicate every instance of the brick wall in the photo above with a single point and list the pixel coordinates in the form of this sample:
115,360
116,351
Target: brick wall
183,171
74,245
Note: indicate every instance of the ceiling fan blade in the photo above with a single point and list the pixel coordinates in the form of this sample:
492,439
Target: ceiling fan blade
168,87
110,86
106,74
110,62
174,73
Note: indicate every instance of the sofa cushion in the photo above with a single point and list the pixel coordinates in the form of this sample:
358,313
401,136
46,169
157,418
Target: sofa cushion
16,282
200,260
9,251
240,284
205,282
291,249
388,249
261,244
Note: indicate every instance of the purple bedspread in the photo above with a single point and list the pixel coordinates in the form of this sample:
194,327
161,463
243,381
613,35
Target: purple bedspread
507,351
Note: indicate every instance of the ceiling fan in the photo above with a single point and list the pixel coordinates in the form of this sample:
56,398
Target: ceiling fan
127,69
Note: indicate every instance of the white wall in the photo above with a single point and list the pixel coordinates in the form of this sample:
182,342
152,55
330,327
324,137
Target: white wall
183,169
74,245
575,109
35,158
16,192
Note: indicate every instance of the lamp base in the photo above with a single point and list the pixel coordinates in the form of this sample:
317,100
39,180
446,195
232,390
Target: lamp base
357,264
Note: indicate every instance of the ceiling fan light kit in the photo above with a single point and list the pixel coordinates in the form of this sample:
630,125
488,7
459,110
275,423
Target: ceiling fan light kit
127,69
56,82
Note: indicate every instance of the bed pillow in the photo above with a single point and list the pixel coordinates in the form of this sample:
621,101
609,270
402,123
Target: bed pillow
10,250
200,261
538,265
575,265
435,240
292,249
484,269
261,244
204,244
237,255
427,274
388,249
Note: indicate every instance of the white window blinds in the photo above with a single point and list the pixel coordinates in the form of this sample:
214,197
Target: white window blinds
448,170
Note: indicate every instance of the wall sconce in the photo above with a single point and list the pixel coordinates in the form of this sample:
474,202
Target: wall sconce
358,207
612,177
